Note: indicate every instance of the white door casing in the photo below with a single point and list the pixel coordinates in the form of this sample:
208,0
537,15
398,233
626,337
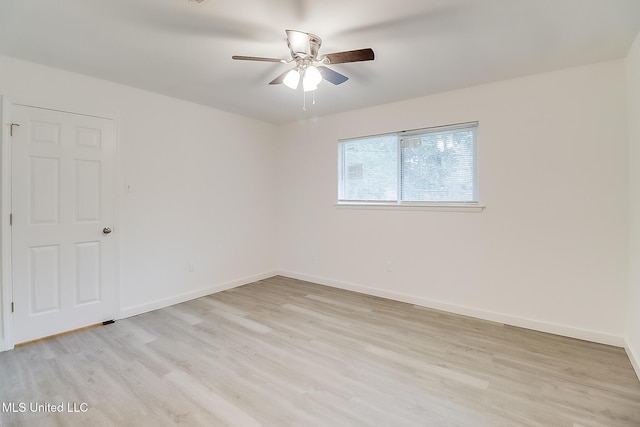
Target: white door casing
62,200
6,318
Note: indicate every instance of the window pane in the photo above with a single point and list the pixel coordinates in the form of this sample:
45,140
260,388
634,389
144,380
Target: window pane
370,169
438,167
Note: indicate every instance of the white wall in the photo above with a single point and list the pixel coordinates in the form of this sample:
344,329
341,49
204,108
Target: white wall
202,184
633,309
550,250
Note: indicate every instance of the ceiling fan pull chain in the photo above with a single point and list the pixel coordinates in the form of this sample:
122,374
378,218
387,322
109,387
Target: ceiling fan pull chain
304,101
314,97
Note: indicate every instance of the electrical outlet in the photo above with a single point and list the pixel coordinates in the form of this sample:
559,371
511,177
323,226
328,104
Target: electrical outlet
191,267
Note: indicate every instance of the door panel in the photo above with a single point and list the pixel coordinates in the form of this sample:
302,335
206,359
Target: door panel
45,190
62,198
44,275
87,281
88,190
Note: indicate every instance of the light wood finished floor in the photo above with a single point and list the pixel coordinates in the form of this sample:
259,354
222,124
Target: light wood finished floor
282,352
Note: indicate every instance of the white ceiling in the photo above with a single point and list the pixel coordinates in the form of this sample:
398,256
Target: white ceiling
183,49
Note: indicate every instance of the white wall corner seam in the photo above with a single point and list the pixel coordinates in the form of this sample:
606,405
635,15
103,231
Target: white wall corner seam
634,357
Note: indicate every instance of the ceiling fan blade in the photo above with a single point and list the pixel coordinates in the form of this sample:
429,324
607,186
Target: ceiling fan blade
280,79
257,58
350,56
332,76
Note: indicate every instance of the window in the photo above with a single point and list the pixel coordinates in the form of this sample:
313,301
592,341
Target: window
424,166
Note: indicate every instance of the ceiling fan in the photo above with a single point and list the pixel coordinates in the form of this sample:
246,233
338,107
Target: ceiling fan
309,67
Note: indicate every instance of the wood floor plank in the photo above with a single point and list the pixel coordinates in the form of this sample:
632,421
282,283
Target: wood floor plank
283,352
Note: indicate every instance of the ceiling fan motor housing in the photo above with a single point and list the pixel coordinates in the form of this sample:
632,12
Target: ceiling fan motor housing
303,45
314,45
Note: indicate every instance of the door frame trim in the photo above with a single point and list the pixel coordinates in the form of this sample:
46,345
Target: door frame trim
7,342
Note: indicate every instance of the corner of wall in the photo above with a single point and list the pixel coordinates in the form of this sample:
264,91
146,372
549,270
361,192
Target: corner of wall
177,299
634,358
632,329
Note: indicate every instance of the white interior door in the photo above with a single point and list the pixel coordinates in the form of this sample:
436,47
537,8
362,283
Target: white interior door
63,209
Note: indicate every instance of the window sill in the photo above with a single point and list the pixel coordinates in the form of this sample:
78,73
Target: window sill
434,207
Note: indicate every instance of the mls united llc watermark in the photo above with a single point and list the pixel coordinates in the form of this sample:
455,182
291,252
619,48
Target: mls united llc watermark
44,407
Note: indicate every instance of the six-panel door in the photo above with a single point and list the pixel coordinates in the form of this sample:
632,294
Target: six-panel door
62,199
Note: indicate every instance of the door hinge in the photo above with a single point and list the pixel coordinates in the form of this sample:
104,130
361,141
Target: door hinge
11,127
10,219
12,307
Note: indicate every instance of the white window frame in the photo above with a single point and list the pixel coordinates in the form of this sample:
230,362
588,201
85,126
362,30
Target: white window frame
450,206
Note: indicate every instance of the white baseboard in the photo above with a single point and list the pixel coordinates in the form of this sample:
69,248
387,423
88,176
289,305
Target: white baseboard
5,345
177,299
536,325
6,328
567,331
634,357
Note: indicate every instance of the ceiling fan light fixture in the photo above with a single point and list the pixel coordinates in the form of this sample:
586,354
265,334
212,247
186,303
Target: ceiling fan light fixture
309,66
308,87
311,79
292,79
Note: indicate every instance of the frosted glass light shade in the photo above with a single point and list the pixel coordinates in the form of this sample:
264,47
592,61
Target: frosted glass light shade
292,79
311,78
